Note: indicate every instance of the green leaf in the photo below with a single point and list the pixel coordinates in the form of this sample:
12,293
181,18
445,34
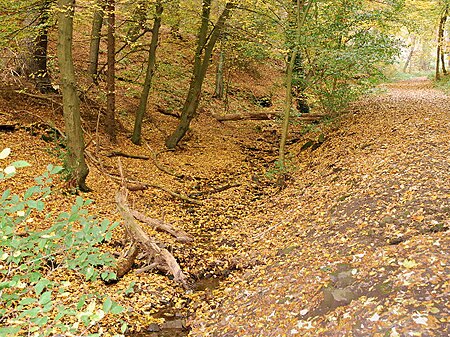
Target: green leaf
45,298
124,327
81,302
20,163
9,331
107,305
90,273
27,301
40,321
5,153
117,309
41,285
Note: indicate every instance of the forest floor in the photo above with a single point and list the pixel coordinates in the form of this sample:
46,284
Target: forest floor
356,245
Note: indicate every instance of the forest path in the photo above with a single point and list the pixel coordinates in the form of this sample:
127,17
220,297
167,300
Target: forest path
358,244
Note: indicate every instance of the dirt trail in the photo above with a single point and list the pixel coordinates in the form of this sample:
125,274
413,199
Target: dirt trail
358,244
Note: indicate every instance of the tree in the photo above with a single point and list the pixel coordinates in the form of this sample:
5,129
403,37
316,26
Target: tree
111,81
75,162
203,54
300,13
136,138
97,23
440,42
36,46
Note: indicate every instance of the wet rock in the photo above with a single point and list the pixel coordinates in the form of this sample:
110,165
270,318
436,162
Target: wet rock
153,328
335,297
176,324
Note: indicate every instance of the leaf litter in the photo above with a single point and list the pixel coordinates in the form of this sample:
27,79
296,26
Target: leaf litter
355,246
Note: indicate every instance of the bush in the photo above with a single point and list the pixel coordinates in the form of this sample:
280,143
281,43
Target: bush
29,293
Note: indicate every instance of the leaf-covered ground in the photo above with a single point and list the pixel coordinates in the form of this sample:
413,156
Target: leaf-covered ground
358,243
364,218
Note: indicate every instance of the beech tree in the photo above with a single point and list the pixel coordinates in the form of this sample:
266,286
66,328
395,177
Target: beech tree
205,46
75,162
440,57
136,138
94,48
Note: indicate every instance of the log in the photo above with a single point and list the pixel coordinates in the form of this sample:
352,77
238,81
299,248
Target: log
163,259
179,234
263,116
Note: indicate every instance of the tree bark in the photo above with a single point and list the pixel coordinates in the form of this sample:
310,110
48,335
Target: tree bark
94,48
218,92
71,105
410,55
200,68
440,41
287,113
36,61
111,81
136,138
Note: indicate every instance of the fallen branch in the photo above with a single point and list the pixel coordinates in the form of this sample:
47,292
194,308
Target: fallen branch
124,264
263,116
126,155
180,235
162,168
163,259
42,97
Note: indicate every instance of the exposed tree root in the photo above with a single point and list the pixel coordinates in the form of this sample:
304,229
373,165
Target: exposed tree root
179,234
162,258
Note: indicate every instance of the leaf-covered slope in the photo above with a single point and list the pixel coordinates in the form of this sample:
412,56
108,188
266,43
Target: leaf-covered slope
358,245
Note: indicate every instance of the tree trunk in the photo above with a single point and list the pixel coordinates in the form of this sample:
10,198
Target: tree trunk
200,68
97,24
36,61
136,138
218,92
111,85
287,112
71,105
440,41
410,54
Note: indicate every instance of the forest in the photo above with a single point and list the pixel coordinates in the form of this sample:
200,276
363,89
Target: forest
224,168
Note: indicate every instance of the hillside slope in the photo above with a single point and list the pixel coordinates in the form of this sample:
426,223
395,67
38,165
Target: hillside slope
358,244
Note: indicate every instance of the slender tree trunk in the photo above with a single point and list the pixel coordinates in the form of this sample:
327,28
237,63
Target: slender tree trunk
218,92
440,41
36,60
136,138
200,68
76,164
94,49
111,81
444,70
287,113
410,55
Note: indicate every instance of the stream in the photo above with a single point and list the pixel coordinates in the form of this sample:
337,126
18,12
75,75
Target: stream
175,323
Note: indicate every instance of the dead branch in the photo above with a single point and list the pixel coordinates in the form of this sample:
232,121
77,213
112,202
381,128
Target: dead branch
126,155
162,168
163,259
125,263
179,234
42,97
263,116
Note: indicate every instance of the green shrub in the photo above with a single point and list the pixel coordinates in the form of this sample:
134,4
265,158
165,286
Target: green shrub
30,258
